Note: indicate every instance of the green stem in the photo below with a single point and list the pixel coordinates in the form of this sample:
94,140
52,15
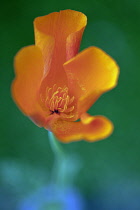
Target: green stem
59,168
55,145
65,166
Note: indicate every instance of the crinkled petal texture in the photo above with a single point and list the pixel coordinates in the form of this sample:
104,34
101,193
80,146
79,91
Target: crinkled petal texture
90,129
91,73
59,33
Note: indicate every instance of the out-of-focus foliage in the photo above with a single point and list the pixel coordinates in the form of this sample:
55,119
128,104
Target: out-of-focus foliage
110,171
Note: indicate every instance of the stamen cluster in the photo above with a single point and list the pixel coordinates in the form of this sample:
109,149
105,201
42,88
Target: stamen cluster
58,101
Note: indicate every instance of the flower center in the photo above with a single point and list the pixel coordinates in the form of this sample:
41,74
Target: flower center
58,101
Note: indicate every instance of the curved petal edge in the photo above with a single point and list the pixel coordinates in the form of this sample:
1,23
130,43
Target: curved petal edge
89,128
90,74
29,72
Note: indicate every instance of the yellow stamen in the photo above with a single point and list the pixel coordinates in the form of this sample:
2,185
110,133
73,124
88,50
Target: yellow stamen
58,101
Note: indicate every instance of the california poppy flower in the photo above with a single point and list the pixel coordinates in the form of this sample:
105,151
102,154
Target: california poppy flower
55,85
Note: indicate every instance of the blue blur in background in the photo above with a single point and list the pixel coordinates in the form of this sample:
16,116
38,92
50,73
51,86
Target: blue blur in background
53,198
109,172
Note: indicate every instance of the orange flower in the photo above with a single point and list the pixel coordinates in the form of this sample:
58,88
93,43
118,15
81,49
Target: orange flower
55,86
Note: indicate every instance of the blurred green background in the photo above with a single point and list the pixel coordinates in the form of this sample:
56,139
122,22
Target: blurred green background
106,174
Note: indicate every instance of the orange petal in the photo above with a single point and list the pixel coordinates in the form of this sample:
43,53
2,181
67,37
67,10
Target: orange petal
64,29
29,72
90,129
46,44
91,73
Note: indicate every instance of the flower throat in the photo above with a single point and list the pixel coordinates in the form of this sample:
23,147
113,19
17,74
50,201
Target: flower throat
58,101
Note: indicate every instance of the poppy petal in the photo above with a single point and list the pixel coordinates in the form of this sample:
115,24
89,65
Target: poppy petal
46,44
91,73
90,129
29,71
61,32
61,26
